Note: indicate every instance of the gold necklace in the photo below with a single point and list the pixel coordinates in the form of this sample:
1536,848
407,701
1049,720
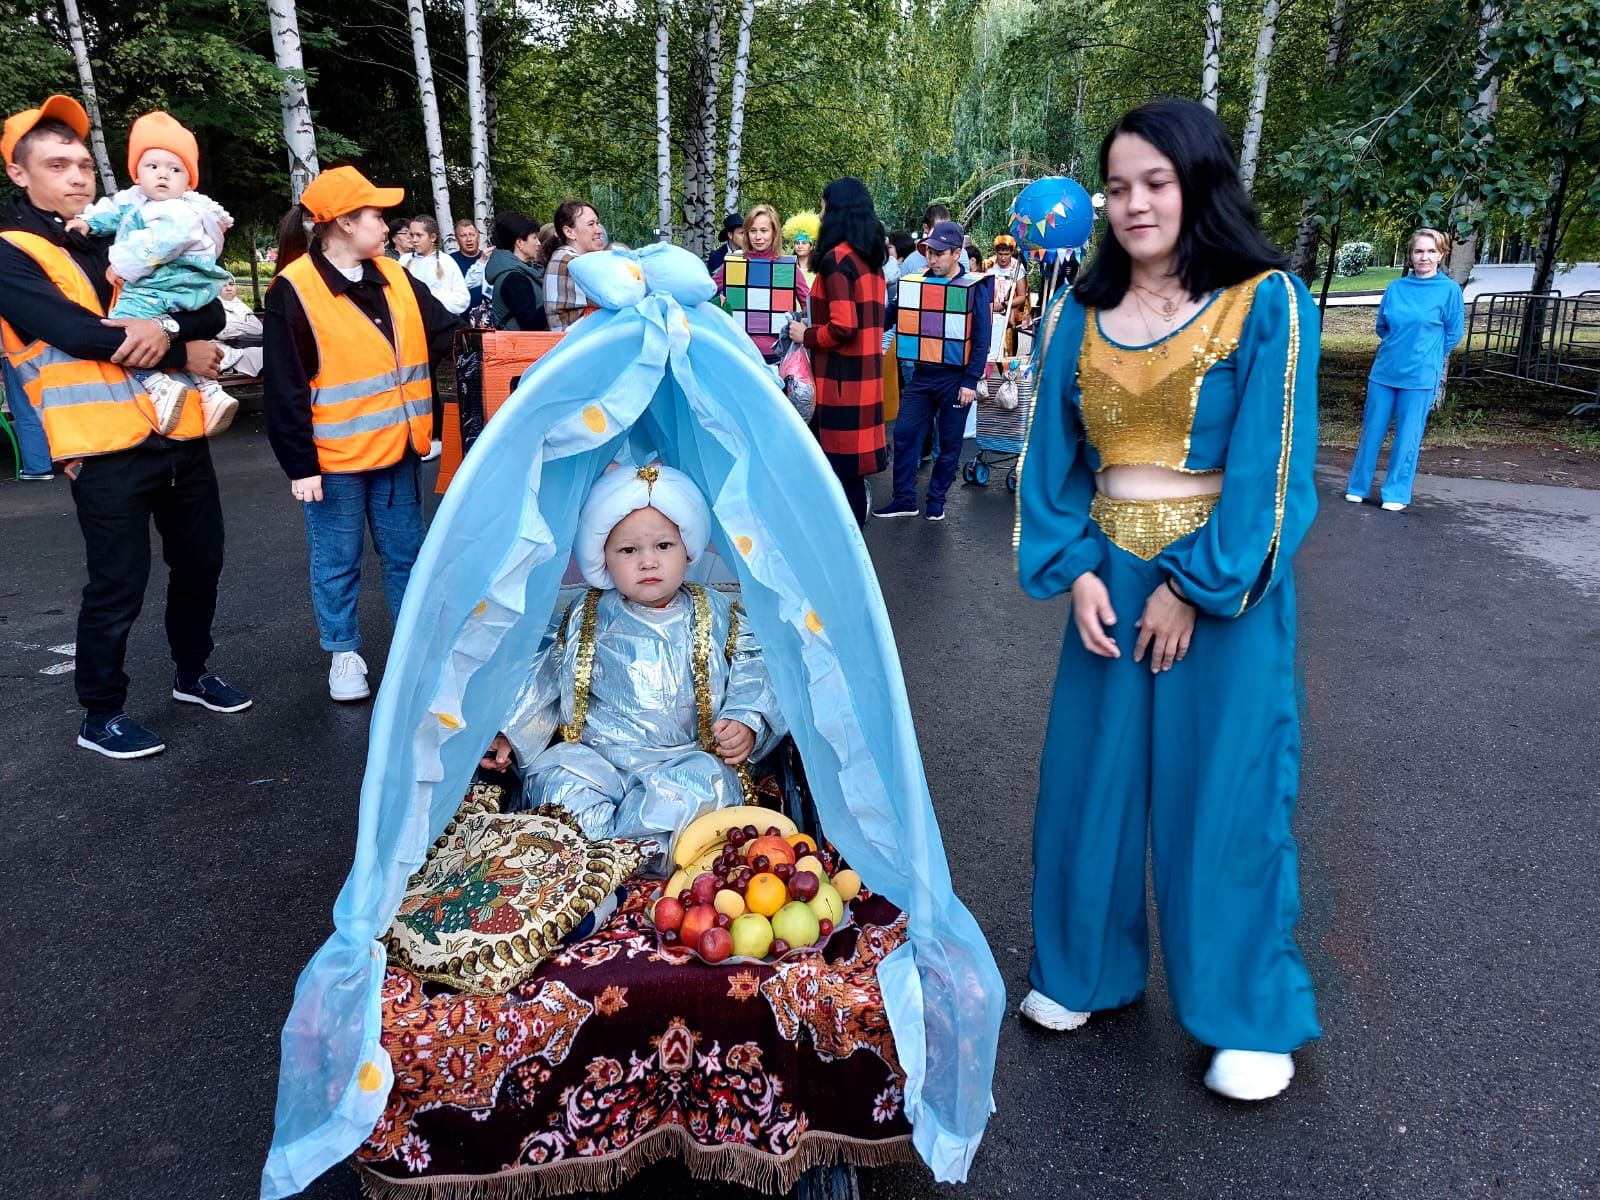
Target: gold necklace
1169,304
1141,308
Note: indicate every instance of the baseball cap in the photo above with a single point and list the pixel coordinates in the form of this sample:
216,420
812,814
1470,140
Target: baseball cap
946,235
60,108
344,190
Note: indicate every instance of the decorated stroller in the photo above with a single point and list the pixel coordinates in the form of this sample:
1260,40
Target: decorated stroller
1005,406
611,1055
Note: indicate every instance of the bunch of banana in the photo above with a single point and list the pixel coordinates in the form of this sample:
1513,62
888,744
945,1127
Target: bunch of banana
702,841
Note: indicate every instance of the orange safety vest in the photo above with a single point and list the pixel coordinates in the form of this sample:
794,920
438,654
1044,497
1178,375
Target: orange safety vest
86,407
368,398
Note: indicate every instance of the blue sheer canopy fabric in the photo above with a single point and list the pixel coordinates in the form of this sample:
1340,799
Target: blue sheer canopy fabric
659,372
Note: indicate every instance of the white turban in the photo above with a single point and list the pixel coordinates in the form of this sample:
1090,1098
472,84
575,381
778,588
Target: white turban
626,490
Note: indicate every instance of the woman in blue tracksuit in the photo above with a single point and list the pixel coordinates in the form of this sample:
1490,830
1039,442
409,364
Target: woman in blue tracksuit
1420,320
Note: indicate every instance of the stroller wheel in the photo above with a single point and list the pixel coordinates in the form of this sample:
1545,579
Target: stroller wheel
967,472
980,474
1011,480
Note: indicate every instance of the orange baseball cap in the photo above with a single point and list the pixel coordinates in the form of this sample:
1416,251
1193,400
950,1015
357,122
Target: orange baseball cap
60,108
344,190
161,131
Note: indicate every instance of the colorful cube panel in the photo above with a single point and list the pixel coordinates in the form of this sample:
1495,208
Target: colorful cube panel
934,324
760,292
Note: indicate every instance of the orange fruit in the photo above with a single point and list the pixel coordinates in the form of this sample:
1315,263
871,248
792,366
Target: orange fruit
797,840
766,894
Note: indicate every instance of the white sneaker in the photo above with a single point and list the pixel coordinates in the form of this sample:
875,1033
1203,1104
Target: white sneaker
166,396
1047,1014
1353,498
1393,506
347,677
434,450
217,405
1249,1074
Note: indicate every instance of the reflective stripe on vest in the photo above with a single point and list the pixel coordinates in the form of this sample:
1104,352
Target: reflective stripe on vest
369,399
86,407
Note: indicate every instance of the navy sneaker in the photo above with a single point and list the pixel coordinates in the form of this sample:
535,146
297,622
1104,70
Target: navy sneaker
210,691
935,511
118,736
896,508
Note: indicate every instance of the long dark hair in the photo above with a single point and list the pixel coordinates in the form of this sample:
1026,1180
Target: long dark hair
849,218
567,214
1220,243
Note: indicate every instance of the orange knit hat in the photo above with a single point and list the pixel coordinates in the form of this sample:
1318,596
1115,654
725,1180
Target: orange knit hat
159,131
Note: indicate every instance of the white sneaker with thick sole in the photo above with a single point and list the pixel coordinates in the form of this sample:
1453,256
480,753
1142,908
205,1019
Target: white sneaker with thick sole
1249,1074
347,677
1353,498
217,405
1047,1014
166,396
1393,506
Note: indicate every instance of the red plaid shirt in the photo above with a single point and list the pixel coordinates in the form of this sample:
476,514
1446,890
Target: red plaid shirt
847,357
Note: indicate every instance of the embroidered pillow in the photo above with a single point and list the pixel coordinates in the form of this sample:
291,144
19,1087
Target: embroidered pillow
497,894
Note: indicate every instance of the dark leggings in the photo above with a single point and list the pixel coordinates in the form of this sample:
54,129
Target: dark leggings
855,495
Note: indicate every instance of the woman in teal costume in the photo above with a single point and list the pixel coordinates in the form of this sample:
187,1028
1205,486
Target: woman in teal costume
1166,483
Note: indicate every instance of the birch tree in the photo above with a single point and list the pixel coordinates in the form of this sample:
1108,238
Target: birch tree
477,116
741,83
1479,129
663,126
1250,147
1211,64
1303,260
430,120
91,103
299,134
700,189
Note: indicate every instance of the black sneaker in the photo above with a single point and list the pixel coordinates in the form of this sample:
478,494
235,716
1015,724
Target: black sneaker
210,691
118,736
896,508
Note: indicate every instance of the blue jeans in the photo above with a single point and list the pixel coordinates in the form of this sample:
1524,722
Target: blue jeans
923,404
1408,409
389,501
31,442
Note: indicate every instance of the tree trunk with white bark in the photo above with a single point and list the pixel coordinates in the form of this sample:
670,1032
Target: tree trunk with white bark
430,121
1211,64
1250,147
1303,260
91,102
299,134
663,126
741,83
701,232
1479,123
477,115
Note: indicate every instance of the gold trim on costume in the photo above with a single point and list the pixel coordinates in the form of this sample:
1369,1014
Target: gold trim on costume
1291,367
1147,527
1046,336
583,670
1139,403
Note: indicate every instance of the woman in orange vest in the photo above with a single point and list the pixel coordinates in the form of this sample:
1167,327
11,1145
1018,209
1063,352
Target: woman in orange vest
348,337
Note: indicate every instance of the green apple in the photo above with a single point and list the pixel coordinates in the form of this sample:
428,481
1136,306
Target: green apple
827,904
752,935
796,924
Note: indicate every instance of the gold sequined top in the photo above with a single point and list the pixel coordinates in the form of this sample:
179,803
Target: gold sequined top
1141,405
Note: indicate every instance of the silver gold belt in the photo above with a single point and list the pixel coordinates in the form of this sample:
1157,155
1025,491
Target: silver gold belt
1147,527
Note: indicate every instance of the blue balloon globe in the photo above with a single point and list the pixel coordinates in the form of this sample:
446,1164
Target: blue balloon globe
1053,213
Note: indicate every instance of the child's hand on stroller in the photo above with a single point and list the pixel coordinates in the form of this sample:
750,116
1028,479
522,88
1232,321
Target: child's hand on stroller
735,741
499,755
1092,612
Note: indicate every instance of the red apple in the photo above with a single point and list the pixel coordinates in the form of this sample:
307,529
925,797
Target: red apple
704,887
716,944
669,914
803,885
695,922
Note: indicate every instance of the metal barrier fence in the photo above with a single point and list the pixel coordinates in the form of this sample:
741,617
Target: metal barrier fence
1537,337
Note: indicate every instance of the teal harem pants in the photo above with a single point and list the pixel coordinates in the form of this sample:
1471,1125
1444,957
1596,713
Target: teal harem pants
1205,757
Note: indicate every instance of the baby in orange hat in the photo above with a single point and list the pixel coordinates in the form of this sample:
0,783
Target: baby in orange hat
168,240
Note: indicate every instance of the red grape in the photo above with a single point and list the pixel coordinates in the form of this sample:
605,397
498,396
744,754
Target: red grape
723,920
736,837
761,862
774,831
783,871
750,832
669,937
826,926
779,947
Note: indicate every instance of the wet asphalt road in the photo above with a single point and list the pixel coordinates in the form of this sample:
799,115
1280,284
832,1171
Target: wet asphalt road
156,913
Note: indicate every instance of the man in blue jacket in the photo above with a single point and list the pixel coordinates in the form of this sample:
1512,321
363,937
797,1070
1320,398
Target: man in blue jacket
938,394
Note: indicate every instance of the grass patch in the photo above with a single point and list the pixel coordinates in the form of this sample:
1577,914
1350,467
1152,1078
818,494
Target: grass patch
1373,279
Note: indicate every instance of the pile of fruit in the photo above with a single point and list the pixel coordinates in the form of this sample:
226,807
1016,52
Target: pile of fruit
750,885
